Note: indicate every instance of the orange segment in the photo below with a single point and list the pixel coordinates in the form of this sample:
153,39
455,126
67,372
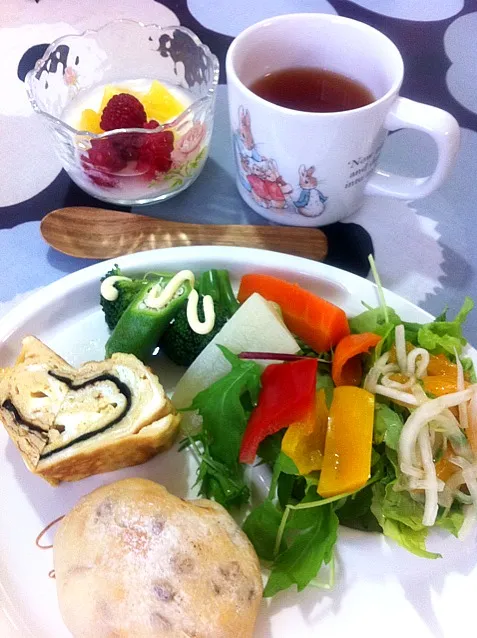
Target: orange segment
160,104
439,385
90,121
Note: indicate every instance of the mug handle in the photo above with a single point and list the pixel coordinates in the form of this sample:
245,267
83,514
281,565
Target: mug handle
444,130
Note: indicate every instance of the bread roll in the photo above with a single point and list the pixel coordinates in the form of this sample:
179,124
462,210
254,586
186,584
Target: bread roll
133,561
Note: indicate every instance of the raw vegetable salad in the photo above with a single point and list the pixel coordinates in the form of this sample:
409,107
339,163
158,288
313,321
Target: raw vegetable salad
368,422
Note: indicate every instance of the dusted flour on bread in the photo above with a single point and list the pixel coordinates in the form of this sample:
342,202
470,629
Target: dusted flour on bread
133,560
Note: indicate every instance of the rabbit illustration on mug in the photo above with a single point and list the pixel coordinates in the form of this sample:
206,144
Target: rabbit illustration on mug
277,189
244,148
263,182
311,201
257,180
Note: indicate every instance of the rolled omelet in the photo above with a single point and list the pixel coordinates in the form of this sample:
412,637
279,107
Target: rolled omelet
133,560
71,423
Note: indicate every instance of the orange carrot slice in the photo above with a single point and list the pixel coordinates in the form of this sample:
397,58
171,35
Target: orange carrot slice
346,368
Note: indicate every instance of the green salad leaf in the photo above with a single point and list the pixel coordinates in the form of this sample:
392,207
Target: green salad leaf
270,448
441,336
451,521
400,518
221,407
387,425
355,511
375,320
225,409
309,548
220,482
261,526
412,540
400,506
325,382
469,369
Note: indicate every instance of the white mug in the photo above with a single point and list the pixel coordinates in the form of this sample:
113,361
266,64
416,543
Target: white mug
312,169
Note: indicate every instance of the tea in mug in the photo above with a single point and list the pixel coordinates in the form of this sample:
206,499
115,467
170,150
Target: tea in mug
312,89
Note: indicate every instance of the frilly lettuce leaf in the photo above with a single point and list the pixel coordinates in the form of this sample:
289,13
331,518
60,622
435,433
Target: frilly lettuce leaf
442,336
374,320
452,521
412,540
400,519
438,336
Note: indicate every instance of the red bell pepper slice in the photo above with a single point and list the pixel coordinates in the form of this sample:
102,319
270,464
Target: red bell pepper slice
346,367
287,395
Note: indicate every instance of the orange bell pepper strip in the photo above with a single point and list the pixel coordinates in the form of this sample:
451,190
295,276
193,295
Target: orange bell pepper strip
318,322
287,395
347,459
304,442
346,368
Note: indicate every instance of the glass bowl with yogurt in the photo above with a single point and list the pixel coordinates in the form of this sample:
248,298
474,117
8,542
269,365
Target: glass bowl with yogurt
169,72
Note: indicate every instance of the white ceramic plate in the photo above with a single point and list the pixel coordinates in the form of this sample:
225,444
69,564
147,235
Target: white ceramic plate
381,589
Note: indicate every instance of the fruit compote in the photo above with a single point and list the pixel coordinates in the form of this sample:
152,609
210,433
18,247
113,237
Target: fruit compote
163,153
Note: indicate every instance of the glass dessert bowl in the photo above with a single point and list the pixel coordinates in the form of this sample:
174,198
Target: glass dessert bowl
130,107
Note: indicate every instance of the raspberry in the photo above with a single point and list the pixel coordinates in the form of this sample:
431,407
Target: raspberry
128,145
123,111
104,155
151,124
155,154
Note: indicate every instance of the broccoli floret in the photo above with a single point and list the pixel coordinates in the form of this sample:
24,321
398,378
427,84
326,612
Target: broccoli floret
127,289
179,342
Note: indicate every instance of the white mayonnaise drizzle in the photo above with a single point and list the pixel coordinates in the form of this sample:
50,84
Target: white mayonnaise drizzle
201,328
108,290
158,297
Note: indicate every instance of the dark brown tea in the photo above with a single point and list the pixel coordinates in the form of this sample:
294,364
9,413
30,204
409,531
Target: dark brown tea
311,89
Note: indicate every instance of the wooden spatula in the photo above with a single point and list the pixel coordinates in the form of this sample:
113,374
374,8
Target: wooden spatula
97,233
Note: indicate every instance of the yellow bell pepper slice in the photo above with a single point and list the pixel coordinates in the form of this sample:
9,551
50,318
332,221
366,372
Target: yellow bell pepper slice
347,459
304,442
